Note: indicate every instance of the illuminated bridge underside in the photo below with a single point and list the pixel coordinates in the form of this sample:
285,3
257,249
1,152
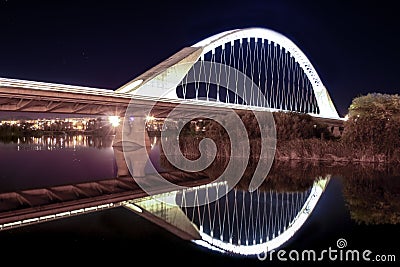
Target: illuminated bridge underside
30,96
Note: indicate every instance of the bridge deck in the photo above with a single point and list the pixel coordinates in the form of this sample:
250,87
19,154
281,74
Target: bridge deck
30,96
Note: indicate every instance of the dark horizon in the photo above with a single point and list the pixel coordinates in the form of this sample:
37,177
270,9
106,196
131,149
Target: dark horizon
352,45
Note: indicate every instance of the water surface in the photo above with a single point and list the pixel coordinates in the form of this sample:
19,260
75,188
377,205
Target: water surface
360,204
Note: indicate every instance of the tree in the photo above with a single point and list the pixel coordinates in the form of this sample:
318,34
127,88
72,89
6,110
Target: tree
294,125
374,123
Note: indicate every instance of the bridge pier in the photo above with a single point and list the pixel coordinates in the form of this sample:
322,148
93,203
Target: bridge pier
131,147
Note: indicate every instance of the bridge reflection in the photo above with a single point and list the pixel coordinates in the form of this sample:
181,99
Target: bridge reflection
52,201
239,221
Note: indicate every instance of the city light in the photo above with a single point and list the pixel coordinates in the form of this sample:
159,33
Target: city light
150,118
114,120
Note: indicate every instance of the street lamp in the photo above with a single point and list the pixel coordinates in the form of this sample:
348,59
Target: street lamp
114,120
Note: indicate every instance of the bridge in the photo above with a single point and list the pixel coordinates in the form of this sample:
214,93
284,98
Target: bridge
245,69
254,67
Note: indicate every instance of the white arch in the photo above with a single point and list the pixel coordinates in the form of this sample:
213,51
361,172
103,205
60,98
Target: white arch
170,72
324,101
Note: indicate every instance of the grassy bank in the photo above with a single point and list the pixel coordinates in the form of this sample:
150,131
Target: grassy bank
330,150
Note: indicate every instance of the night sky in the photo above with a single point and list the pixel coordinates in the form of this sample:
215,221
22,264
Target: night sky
354,45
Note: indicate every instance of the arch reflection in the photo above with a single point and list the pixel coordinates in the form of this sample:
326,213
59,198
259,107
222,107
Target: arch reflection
239,221
250,222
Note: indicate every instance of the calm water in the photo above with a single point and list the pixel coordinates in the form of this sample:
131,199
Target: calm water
360,204
50,161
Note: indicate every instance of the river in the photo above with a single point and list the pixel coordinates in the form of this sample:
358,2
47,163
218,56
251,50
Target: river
358,206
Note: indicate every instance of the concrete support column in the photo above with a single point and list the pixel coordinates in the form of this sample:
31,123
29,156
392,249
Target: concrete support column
131,147
122,168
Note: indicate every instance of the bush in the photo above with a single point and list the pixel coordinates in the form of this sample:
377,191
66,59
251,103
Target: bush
374,123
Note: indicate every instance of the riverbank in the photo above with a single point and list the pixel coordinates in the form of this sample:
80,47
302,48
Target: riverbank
312,149
330,150
304,137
